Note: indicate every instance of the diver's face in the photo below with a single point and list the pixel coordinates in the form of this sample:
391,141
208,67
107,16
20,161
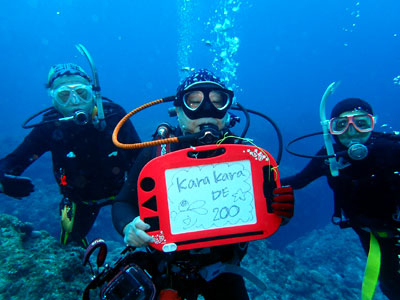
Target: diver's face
189,126
352,135
71,93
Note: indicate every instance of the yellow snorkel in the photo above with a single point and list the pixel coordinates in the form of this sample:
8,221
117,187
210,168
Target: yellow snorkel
333,164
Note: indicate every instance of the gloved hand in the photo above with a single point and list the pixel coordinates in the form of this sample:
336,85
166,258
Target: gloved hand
16,186
134,234
283,203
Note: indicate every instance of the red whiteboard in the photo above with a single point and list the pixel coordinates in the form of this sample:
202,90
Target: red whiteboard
192,200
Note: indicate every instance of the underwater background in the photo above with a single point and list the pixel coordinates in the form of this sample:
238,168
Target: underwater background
278,56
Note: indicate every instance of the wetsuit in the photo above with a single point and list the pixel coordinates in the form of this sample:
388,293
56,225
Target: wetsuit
367,193
86,164
180,270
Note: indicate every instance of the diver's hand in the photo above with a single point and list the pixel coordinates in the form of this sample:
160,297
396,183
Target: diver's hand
16,186
134,234
283,203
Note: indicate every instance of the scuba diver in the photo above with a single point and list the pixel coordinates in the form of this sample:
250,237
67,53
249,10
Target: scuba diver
77,131
363,170
201,105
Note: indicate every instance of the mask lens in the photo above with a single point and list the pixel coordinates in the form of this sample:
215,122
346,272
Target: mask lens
363,123
219,99
339,125
83,93
63,96
193,99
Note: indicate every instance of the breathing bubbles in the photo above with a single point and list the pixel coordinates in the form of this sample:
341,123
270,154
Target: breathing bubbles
218,36
354,14
224,42
396,80
386,128
186,36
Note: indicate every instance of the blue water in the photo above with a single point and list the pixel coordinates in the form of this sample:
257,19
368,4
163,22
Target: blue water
288,53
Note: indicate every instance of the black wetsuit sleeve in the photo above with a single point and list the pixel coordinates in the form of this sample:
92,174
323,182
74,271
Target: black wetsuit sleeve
32,147
127,133
125,207
313,170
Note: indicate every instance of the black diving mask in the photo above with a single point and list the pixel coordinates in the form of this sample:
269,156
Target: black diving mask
205,101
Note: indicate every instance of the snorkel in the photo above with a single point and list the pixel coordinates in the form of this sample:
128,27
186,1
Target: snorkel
333,164
99,120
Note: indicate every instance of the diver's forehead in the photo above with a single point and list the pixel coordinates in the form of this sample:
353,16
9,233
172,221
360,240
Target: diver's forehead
69,79
355,112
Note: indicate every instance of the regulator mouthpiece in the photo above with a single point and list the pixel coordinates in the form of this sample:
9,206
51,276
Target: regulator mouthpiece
357,151
209,134
80,117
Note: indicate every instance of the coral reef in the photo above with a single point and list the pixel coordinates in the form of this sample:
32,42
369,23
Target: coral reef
326,264
36,266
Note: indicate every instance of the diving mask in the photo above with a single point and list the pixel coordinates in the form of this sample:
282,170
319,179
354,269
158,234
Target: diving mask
210,101
362,123
72,93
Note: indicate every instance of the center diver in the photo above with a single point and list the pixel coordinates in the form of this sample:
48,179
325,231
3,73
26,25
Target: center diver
202,102
362,168
77,131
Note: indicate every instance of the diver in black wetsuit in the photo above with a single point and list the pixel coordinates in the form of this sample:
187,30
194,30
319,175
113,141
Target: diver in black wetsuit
202,101
88,167
367,189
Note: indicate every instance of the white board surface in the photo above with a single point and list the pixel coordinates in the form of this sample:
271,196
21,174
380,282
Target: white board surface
210,196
